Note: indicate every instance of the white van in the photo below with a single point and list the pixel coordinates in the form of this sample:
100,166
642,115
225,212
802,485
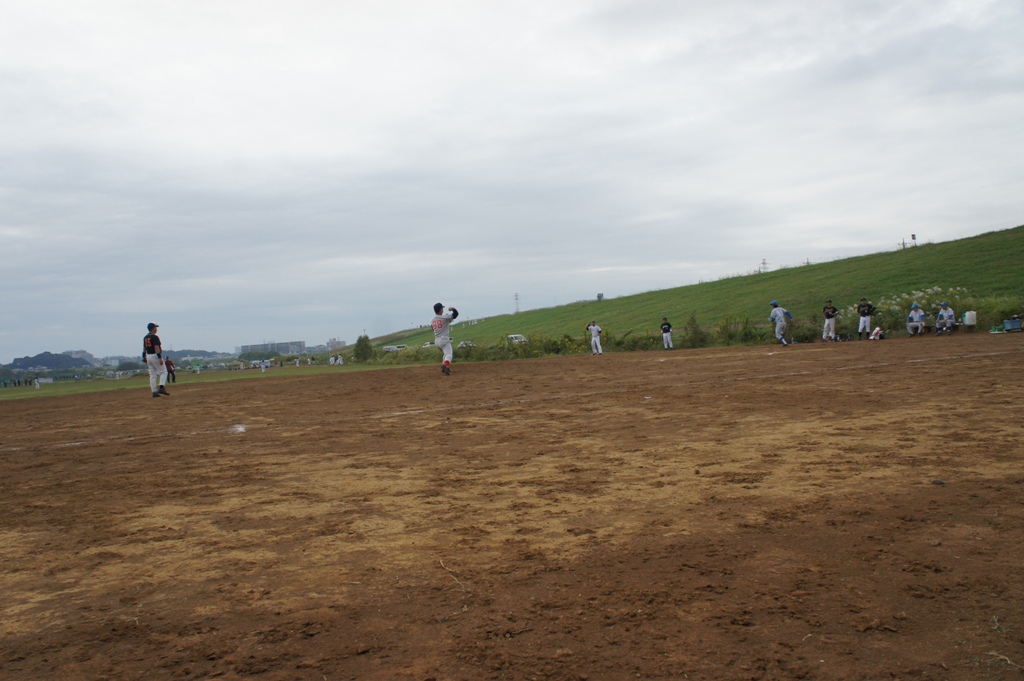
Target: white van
516,339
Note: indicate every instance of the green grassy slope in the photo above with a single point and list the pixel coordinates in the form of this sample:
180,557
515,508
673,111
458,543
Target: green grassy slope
990,264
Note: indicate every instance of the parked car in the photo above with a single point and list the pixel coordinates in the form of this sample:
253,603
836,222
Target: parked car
428,344
516,338
466,344
393,348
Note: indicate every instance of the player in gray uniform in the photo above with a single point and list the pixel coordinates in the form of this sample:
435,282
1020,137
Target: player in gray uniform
779,316
595,337
442,339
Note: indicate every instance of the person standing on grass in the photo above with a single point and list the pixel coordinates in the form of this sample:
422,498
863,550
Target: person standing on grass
779,316
666,333
595,337
828,332
441,323
864,311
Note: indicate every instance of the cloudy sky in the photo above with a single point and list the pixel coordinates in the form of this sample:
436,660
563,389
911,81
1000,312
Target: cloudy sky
241,172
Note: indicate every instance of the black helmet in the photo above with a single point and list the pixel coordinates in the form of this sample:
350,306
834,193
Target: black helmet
438,307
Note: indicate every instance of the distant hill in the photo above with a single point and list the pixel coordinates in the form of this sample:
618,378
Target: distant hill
49,361
990,264
58,362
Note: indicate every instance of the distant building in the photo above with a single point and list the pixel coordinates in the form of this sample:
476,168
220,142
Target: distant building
335,344
116,360
289,348
82,354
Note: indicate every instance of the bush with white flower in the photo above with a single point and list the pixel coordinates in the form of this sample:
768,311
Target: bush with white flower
891,311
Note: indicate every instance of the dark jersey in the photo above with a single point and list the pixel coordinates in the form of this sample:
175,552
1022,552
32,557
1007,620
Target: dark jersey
666,328
865,309
829,311
150,344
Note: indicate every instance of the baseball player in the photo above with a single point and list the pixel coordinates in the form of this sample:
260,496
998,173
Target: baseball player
915,320
828,333
153,356
595,338
442,339
779,316
666,333
945,319
865,310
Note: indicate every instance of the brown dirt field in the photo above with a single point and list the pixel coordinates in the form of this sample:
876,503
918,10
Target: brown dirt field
851,511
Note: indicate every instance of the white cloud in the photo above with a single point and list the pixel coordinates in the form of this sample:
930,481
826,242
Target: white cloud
315,169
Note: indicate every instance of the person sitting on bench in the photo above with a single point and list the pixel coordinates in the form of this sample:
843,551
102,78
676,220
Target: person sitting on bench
945,320
915,321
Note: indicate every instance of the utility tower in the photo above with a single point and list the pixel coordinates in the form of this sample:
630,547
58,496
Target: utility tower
516,297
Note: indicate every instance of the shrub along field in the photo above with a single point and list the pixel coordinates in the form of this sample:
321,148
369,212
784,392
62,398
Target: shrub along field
983,273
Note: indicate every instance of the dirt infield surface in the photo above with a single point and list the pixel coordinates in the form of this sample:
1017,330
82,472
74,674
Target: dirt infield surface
853,511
